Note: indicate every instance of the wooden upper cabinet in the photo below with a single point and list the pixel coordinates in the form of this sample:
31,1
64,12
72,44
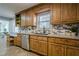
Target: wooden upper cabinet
30,18
23,18
41,8
55,10
61,13
78,12
68,13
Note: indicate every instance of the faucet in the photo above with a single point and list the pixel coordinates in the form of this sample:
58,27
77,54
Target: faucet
44,30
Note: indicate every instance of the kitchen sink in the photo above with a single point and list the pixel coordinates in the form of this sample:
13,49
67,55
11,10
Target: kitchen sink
42,33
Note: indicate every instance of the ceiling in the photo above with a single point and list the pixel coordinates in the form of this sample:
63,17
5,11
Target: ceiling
17,7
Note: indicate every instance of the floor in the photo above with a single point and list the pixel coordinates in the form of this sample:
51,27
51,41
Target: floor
16,51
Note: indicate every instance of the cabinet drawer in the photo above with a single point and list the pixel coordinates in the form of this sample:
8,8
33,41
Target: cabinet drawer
42,38
60,40
52,40
72,42
33,37
57,40
19,40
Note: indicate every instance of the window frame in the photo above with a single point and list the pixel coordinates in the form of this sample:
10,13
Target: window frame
40,14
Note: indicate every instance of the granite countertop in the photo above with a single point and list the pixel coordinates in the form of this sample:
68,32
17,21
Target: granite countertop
22,34
55,35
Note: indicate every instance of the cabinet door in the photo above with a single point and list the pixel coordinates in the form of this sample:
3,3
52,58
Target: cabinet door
29,18
23,18
55,9
15,41
56,49
42,8
68,13
18,40
42,47
34,45
78,12
72,51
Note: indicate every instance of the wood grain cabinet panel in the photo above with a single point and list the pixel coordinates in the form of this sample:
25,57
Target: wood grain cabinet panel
41,8
42,47
60,13
72,51
38,44
33,37
17,41
72,42
23,18
54,46
34,45
55,9
30,18
63,46
57,40
77,12
68,13
40,38
56,49
52,40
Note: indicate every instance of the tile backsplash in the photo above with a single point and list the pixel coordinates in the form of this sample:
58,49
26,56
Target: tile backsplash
70,28
56,29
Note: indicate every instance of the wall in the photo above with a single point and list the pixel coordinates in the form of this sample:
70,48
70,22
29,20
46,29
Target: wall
12,25
4,24
5,12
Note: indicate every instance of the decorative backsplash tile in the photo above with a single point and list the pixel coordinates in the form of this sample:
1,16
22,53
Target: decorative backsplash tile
72,28
58,29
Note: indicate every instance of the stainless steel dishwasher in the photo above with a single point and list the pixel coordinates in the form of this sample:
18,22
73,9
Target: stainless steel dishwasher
25,41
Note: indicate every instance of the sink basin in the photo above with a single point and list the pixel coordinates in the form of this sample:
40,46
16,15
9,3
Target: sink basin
42,33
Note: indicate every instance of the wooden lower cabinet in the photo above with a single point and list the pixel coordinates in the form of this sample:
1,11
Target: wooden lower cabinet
34,45
72,51
17,41
42,47
38,45
56,49
52,46
63,47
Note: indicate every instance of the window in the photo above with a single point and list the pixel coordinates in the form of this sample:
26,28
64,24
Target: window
43,20
4,26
